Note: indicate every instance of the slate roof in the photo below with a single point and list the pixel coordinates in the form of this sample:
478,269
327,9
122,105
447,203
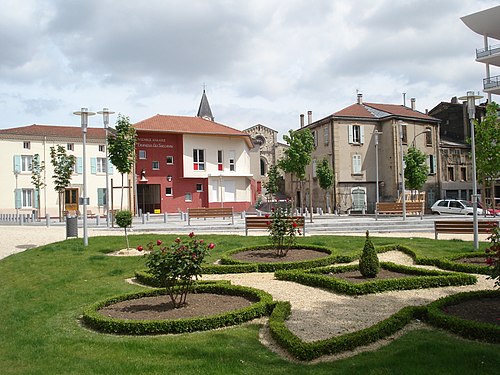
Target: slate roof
204,111
53,131
378,111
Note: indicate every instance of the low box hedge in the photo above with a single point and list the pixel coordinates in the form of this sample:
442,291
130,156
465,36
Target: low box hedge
307,351
449,263
329,258
420,279
93,319
463,327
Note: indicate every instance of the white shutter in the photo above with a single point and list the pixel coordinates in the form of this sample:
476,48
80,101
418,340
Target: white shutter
362,134
350,133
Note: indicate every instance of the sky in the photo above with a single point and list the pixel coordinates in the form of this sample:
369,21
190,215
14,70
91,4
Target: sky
260,61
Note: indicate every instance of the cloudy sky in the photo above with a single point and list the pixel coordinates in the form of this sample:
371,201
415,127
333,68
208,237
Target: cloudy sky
262,61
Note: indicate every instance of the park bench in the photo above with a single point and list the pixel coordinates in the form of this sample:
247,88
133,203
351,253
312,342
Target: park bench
262,222
462,226
396,208
210,212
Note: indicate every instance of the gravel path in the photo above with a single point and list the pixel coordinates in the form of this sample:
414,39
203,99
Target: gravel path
318,314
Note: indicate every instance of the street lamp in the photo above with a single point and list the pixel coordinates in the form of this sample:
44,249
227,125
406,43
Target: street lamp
84,114
471,109
402,162
426,131
377,133
105,117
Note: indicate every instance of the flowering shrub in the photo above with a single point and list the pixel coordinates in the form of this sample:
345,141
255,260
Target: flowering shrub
283,230
493,254
176,266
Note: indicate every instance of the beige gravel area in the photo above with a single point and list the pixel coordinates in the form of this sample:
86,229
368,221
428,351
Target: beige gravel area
318,314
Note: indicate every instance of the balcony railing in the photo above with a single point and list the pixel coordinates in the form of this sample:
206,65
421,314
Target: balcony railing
484,52
491,83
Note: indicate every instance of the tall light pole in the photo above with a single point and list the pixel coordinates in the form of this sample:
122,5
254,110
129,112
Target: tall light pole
426,131
84,114
105,118
471,110
377,133
402,162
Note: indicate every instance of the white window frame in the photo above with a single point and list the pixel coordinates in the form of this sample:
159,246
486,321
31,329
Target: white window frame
26,163
356,164
142,155
171,191
27,145
232,161
220,160
27,198
199,187
100,164
188,197
198,159
70,146
155,165
102,148
170,160
326,135
356,134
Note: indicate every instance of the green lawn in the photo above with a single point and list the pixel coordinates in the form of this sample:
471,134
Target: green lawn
44,291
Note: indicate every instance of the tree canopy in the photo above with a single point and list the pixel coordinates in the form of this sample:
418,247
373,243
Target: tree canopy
298,155
416,169
487,138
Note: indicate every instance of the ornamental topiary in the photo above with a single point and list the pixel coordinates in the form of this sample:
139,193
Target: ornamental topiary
368,263
123,220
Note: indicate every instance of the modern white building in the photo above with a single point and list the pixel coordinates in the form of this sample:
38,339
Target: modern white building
20,145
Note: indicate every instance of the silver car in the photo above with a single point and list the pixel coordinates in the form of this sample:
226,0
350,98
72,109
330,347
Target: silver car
454,206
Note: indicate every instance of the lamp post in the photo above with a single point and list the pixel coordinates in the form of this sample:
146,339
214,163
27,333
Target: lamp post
471,110
377,133
426,131
402,161
105,118
84,114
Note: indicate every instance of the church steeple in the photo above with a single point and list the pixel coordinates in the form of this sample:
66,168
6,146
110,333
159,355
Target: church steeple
204,111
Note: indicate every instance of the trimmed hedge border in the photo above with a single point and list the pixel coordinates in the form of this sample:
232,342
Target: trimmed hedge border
449,264
271,267
264,305
424,279
463,327
307,351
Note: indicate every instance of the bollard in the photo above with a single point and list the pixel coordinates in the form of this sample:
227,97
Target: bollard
142,218
243,214
21,219
165,217
147,216
47,220
97,220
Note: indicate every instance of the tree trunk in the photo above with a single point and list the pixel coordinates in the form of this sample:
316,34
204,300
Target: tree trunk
121,201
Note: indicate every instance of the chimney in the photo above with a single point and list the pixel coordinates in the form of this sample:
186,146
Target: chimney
360,98
454,100
309,117
412,100
301,120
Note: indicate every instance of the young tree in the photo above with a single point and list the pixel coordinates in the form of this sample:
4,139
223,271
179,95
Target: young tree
121,148
298,155
37,169
124,220
416,169
272,184
487,139
63,169
325,177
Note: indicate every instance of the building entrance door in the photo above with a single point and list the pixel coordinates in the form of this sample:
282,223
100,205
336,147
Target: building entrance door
149,198
71,200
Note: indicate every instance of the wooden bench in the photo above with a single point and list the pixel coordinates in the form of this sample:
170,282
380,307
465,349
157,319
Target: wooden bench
462,226
205,212
396,208
262,222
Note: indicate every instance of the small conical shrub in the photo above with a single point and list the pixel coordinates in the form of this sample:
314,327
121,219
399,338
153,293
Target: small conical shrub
368,263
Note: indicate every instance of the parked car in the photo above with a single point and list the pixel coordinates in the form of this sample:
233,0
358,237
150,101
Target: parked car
490,211
454,206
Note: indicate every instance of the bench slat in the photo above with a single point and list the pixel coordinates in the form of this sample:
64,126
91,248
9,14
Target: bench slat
461,226
211,212
262,222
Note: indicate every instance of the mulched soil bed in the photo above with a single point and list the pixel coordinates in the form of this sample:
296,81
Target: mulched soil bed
269,256
480,261
355,277
485,310
161,308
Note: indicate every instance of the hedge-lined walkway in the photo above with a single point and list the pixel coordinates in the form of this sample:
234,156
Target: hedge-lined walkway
318,314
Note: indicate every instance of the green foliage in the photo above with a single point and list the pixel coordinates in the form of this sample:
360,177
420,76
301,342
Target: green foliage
487,138
272,184
123,218
368,263
450,264
421,278
298,155
493,253
121,147
325,174
176,267
63,167
416,168
283,229
475,330
37,169
262,306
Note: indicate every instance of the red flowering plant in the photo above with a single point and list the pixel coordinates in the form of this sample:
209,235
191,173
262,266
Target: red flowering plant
493,254
177,266
282,229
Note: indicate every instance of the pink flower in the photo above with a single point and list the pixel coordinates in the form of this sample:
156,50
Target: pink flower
158,242
211,245
140,248
191,235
